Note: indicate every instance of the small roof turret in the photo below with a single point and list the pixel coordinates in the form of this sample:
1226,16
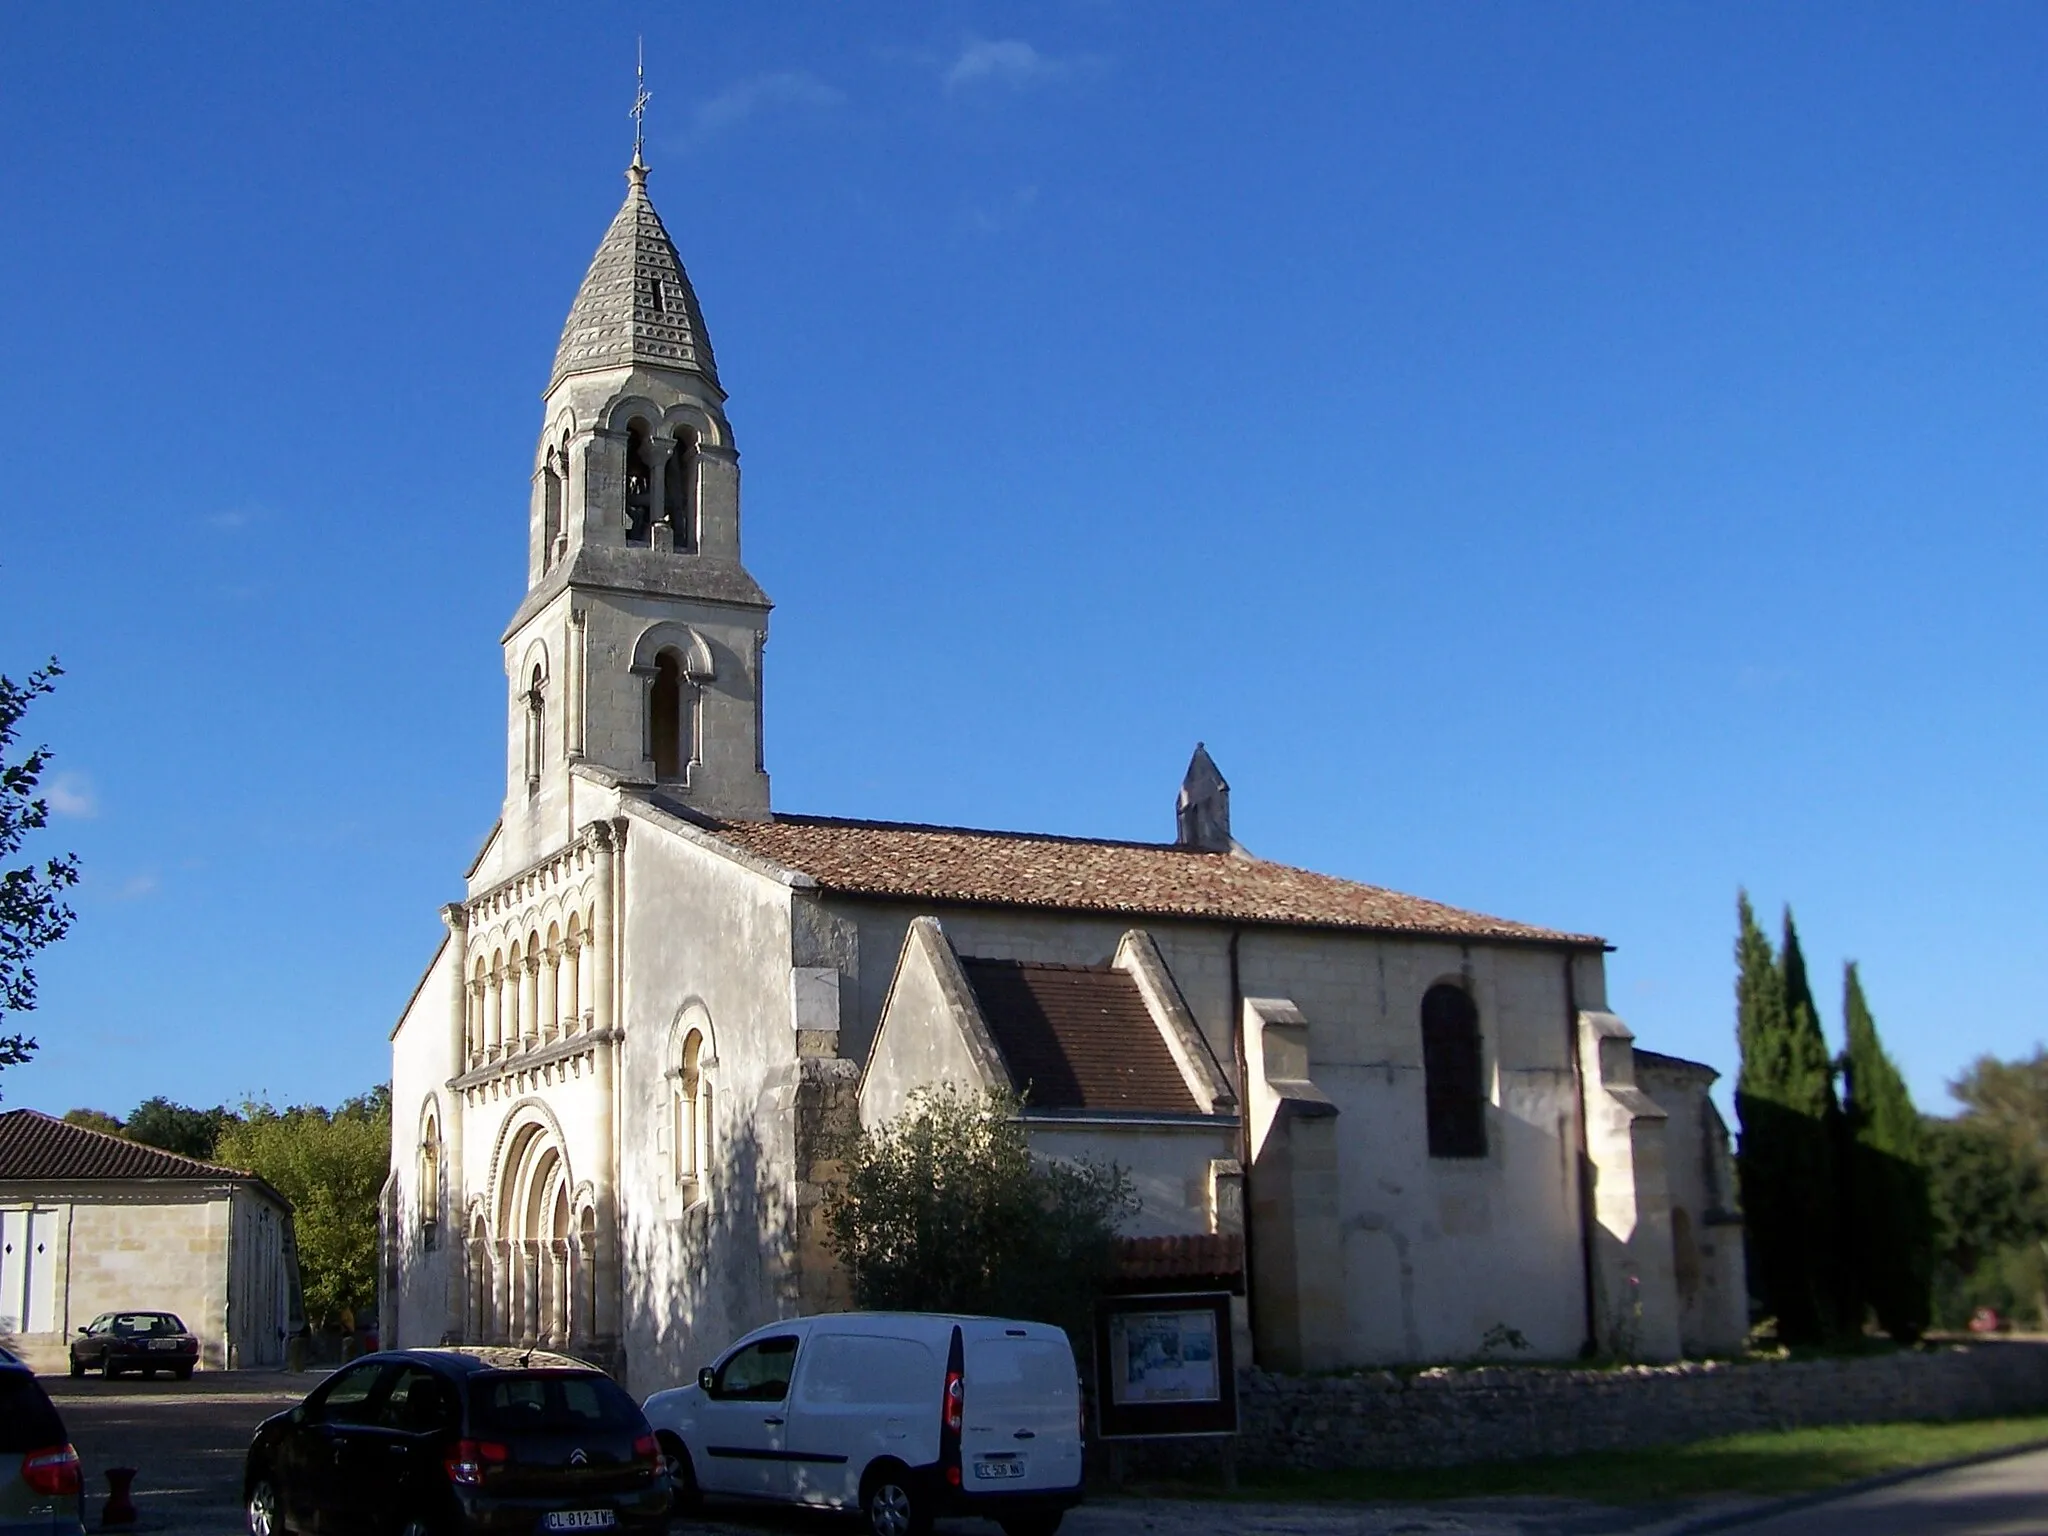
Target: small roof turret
636,305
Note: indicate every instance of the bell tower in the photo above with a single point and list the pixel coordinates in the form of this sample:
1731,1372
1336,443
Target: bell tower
638,648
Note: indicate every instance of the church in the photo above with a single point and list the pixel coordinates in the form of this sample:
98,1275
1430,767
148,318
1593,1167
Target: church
1400,1131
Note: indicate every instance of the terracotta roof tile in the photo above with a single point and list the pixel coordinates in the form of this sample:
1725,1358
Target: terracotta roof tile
1020,869
37,1146
1193,1256
1077,1037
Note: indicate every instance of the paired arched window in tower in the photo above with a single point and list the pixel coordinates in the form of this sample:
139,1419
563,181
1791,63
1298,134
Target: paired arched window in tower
639,482
679,490
1454,1084
689,1110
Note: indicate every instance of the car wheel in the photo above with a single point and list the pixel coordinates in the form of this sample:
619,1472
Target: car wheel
110,1370
893,1504
149,1373
184,1373
1042,1523
684,1496
266,1516
77,1366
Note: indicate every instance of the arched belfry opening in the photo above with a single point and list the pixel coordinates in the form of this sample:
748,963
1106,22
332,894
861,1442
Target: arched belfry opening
639,482
679,490
671,716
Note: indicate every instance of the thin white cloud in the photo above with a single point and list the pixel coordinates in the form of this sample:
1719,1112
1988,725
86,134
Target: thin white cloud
136,887
232,520
1008,61
72,794
780,90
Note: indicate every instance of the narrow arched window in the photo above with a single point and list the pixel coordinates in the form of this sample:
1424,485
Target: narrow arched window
430,1185
668,717
550,512
686,1129
639,483
1453,1080
679,490
536,727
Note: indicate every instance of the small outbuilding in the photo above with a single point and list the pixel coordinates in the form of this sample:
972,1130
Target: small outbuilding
93,1223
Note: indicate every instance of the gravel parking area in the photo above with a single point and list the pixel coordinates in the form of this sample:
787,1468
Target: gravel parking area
187,1439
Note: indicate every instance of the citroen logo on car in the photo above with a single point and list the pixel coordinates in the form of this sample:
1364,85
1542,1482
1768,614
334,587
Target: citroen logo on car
578,1459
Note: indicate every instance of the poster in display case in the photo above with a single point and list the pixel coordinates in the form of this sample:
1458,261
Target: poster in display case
1164,1367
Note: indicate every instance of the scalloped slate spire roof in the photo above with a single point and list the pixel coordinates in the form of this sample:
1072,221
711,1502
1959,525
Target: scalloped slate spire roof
636,304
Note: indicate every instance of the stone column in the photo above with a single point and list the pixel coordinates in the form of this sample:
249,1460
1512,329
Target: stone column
608,837
572,982
550,994
558,1294
529,998
501,1292
661,532
457,918
529,1309
585,1304
573,684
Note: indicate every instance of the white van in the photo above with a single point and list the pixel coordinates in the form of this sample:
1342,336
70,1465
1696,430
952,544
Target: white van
901,1415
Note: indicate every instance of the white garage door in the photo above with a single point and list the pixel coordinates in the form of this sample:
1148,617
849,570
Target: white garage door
28,1272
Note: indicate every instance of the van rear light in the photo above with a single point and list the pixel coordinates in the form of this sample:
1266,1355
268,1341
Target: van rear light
647,1448
52,1470
471,1459
956,1402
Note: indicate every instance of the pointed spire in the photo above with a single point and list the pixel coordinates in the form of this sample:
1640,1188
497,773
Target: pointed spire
1202,813
636,305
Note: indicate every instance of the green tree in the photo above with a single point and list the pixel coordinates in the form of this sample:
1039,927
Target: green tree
93,1120
944,1209
178,1128
1887,1176
1785,1099
33,914
2011,1096
332,1168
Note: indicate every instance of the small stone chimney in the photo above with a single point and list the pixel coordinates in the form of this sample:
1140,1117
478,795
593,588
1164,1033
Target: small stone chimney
1202,814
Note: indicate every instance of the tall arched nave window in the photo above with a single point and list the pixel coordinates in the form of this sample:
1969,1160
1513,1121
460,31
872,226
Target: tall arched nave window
1453,1073
689,1127
430,1184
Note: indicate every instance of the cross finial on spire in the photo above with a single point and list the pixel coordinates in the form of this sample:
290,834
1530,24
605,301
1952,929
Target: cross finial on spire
640,100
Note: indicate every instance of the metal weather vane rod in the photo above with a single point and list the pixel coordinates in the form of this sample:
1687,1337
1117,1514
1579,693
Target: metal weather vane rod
640,98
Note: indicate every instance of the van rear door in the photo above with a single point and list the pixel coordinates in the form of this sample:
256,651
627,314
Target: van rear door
1022,1431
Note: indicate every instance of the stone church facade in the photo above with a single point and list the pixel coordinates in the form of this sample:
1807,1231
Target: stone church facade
1401,1129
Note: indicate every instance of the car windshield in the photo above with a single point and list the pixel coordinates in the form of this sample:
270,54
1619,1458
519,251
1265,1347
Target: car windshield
28,1422
550,1401
143,1324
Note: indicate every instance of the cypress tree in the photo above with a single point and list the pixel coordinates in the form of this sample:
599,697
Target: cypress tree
1784,1097
1890,1209
1831,1229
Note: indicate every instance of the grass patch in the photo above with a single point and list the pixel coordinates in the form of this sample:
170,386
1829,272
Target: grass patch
1781,1462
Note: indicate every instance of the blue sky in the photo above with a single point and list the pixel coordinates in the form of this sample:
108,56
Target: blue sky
1569,461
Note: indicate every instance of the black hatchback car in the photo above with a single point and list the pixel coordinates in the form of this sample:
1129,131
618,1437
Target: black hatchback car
435,1442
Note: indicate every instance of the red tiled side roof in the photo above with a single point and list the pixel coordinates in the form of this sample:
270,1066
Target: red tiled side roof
1019,869
36,1146
1195,1256
1077,1037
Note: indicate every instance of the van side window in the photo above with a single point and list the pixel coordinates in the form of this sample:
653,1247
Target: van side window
858,1369
757,1374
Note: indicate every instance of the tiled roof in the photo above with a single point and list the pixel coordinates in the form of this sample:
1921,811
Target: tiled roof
1194,1256
36,1146
1019,869
1077,1037
636,304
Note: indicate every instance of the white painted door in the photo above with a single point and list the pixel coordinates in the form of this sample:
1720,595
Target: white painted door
28,1272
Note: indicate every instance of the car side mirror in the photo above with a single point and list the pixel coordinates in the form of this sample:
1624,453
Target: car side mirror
705,1377
83,1328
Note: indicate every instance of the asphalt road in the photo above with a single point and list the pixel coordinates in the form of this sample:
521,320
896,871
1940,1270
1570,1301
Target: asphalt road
187,1439
1989,1499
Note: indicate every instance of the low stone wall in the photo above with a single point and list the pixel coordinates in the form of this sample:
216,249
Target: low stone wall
1496,1413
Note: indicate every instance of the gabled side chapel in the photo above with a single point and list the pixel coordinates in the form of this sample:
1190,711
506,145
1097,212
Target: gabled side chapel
1396,1127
